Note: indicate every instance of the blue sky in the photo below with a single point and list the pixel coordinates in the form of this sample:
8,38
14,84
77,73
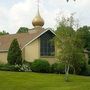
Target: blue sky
17,13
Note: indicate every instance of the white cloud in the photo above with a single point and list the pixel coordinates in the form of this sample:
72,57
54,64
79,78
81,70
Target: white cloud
20,14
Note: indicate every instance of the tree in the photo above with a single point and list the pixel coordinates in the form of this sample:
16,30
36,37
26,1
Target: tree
4,33
14,53
69,46
84,34
22,30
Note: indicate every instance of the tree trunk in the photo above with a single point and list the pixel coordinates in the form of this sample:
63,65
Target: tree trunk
67,73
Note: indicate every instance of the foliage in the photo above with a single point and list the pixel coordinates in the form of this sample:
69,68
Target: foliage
22,30
3,33
89,60
89,57
86,72
58,68
78,62
25,66
19,68
14,53
40,65
70,48
84,34
7,67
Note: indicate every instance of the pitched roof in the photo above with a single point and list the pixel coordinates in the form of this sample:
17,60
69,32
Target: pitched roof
23,38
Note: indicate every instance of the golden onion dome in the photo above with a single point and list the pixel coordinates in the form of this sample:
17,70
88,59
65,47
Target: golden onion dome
38,20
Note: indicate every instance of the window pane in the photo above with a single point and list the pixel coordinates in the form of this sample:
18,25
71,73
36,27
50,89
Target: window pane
47,45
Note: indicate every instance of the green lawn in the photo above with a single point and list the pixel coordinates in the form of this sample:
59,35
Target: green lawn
37,81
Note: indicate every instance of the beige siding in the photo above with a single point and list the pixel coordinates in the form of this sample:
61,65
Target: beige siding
3,58
51,59
23,54
32,51
29,53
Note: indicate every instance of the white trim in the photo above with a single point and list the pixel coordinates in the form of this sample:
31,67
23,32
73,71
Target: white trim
38,37
51,30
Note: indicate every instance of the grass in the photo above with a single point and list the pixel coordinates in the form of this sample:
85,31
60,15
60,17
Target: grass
38,81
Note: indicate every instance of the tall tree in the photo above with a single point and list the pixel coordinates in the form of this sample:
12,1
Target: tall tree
14,53
84,34
69,50
22,30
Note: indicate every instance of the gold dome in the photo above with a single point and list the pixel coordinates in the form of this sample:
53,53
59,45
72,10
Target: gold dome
38,20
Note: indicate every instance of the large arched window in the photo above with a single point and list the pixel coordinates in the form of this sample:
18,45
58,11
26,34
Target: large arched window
47,47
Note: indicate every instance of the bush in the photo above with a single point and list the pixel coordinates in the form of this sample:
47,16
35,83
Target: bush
25,66
40,65
82,68
87,71
8,67
58,68
89,61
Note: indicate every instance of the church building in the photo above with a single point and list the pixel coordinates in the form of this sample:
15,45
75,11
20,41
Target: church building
36,43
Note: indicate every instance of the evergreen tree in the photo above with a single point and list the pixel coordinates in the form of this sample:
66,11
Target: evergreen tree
14,53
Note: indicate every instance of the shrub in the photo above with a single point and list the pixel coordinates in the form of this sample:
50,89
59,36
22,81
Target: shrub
58,68
7,67
14,53
25,66
89,61
87,71
82,68
40,65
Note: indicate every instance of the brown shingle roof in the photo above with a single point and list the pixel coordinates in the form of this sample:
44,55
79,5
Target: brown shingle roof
22,38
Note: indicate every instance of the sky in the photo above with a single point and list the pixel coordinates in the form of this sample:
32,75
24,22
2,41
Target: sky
20,13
